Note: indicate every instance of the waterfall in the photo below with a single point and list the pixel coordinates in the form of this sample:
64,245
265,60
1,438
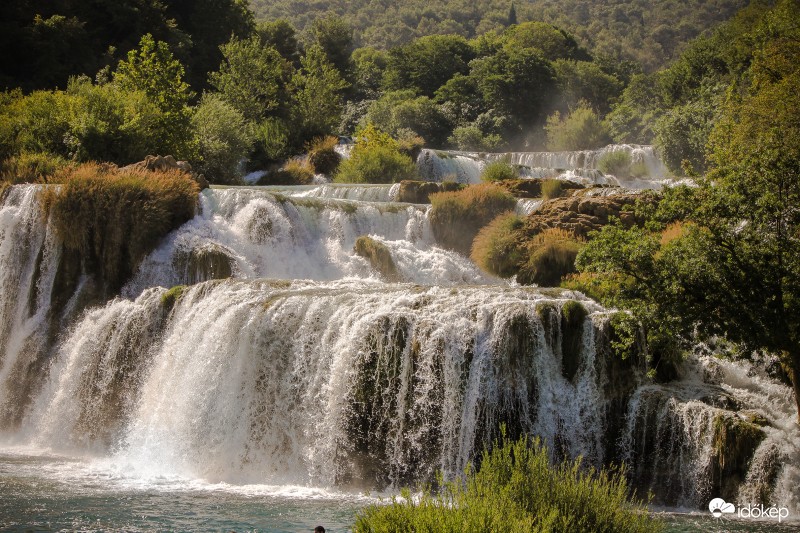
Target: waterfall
377,384
288,359
580,166
263,233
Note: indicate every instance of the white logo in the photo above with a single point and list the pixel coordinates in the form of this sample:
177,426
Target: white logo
717,506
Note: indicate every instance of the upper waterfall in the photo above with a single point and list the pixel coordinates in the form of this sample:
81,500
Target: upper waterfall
265,233
582,166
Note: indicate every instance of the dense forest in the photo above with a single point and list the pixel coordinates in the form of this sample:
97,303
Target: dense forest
176,79
650,33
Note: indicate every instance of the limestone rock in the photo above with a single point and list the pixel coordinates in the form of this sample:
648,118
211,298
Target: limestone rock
581,215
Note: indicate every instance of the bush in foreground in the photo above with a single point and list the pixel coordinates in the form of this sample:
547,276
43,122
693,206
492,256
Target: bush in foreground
516,489
114,218
457,217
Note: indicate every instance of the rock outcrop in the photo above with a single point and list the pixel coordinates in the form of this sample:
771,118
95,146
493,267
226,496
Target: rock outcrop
581,215
419,192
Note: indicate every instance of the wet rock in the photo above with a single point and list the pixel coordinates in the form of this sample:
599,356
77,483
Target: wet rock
203,263
378,256
419,192
735,443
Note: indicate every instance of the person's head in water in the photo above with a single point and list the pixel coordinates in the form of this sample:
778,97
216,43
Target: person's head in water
319,529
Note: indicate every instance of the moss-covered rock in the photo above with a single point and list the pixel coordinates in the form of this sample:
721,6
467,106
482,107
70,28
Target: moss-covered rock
497,249
378,255
579,214
203,263
322,155
419,192
114,218
573,315
550,257
169,298
532,187
734,443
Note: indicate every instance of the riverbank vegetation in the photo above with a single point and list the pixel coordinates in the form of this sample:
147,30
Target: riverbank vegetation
515,488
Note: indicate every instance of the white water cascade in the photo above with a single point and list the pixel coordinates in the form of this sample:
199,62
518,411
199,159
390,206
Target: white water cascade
581,166
289,360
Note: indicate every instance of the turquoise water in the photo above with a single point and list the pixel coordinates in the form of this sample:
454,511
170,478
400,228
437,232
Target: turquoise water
51,493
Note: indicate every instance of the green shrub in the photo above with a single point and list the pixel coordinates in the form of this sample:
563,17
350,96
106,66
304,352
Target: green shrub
375,158
223,139
497,248
552,256
615,163
582,129
457,217
619,164
409,143
272,143
498,171
517,489
472,138
323,156
115,218
552,189
378,256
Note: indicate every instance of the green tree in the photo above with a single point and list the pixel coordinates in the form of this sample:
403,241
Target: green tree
317,94
253,78
552,42
733,269
152,70
223,139
427,63
335,37
582,129
282,36
402,110
517,83
208,25
368,67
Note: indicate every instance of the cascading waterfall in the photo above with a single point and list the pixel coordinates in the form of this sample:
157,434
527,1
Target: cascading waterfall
290,361
261,233
378,384
580,166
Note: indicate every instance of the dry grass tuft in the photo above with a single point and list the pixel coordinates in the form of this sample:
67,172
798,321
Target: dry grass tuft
114,218
456,217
